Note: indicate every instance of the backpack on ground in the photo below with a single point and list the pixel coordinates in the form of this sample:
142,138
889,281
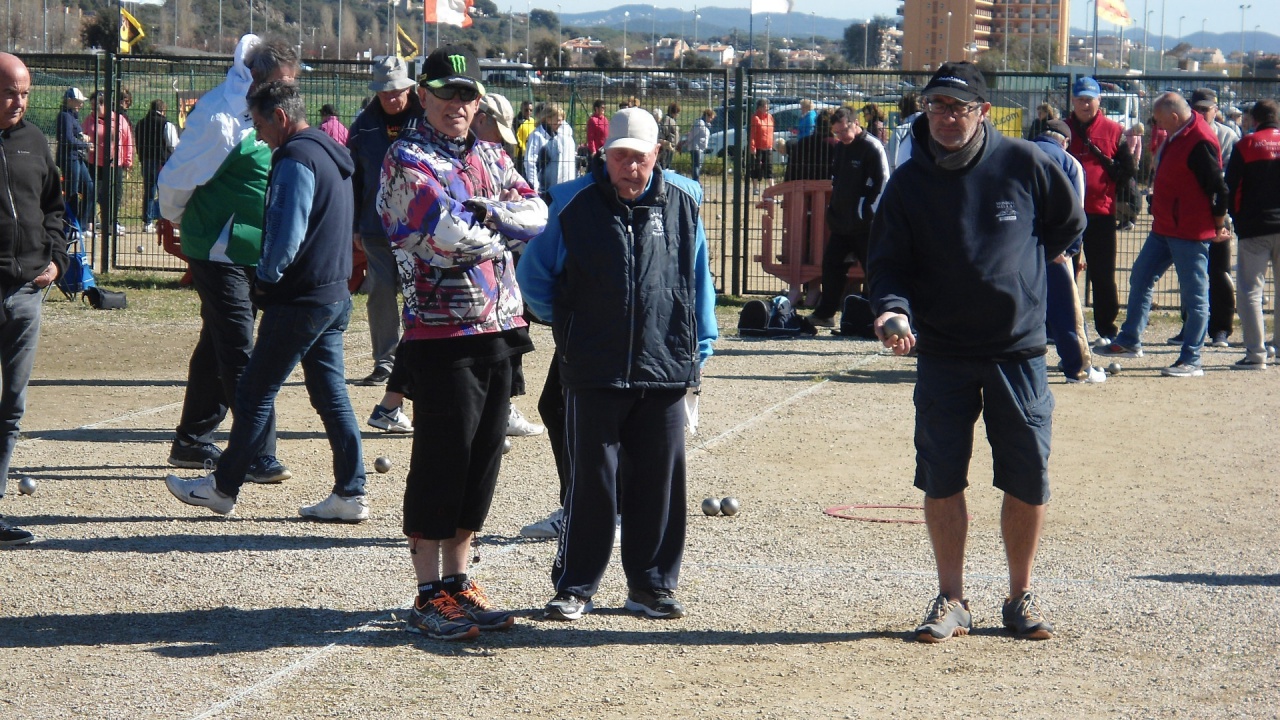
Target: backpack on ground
774,318
857,319
79,275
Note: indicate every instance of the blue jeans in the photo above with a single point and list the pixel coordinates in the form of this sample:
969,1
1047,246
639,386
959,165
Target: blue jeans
288,335
19,332
221,353
1191,260
1064,320
695,157
150,199
79,192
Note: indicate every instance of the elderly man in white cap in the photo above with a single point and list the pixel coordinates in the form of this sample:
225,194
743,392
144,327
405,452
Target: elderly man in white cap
397,110
492,122
623,263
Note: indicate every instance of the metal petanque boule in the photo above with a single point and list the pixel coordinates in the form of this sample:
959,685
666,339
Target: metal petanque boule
711,506
382,464
730,506
27,486
1114,368
897,327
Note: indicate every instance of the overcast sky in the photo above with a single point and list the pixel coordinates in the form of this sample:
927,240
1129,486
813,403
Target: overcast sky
1221,18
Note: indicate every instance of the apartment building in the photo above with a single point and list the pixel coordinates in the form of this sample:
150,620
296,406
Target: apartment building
934,31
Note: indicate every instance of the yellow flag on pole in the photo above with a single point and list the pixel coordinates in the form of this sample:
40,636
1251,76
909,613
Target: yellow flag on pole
406,48
130,31
1114,11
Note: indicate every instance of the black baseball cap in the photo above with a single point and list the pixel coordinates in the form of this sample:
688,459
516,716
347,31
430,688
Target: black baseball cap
960,80
451,65
1058,127
1203,98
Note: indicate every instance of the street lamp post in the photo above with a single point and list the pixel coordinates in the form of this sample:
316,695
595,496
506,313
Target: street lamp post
947,57
322,49
1180,19
1006,35
866,39
1162,9
528,28
813,41
1145,47
559,37
626,16
653,37
1256,28
1242,55
339,55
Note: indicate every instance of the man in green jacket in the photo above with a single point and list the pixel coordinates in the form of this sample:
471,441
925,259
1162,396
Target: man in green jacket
213,187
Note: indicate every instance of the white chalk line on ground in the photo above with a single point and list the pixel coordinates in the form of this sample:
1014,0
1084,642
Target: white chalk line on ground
795,397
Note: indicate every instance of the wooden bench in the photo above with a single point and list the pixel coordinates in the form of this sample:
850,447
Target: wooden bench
793,235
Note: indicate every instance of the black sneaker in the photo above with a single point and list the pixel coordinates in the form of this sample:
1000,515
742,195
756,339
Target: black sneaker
267,470
1025,617
194,455
379,376
11,536
656,603
567,606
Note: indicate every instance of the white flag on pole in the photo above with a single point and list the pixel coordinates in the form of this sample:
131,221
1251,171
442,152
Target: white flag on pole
771,6
144,2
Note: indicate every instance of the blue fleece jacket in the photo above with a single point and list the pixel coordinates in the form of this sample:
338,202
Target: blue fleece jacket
306,243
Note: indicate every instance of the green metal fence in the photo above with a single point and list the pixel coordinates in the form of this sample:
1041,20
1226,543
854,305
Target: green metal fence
730,212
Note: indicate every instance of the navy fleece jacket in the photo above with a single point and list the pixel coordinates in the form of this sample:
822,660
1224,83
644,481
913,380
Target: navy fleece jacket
306,241
962,252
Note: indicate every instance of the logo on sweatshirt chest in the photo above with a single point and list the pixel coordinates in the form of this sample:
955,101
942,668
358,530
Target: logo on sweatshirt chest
1006,211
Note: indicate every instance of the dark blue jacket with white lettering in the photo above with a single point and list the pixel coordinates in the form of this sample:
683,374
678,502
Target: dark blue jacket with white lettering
306,238
962,252
627,286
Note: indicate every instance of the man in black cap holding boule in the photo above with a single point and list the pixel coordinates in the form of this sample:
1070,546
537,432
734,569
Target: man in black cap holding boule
969,274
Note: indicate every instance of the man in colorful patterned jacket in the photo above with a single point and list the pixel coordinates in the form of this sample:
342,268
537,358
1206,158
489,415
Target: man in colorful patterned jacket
458,207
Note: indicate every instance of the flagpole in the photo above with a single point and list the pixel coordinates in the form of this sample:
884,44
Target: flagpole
1095,37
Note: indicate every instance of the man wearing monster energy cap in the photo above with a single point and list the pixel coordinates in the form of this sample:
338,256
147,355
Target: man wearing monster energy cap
457,207
970,276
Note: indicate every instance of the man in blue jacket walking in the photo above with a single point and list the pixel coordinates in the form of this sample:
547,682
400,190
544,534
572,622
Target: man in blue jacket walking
621,271
301,287
970,275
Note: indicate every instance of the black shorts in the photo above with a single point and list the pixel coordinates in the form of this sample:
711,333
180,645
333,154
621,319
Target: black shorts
1014,400
459,423
762,165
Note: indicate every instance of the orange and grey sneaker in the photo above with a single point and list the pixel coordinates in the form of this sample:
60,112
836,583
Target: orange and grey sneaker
440,618
1025,617
944,619
480,610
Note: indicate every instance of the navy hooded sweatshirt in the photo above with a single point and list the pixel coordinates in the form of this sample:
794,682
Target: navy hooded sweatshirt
306,238
962,252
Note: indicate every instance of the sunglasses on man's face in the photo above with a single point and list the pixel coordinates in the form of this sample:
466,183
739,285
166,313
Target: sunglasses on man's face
449,92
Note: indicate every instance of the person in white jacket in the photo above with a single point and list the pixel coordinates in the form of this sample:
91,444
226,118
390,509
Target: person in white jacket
551,155
699,136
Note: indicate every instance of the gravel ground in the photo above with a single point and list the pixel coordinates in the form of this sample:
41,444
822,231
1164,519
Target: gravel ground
1158,560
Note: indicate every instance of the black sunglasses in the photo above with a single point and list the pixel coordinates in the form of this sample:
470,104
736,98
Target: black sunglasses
449,92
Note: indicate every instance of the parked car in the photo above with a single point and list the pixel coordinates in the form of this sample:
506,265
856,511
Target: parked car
785,118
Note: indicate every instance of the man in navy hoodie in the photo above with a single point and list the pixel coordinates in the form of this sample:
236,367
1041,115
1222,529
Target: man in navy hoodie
969,274
301,288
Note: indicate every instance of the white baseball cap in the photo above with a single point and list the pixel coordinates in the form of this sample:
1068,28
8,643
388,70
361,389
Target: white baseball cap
634,129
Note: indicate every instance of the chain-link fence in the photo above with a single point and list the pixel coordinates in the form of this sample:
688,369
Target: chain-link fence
732,214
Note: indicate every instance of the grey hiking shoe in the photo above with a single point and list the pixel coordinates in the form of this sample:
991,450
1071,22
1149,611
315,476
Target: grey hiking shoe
944,619
1025,617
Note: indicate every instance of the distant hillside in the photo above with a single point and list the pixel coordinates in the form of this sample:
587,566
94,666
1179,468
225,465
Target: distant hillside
1227,42
714,22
